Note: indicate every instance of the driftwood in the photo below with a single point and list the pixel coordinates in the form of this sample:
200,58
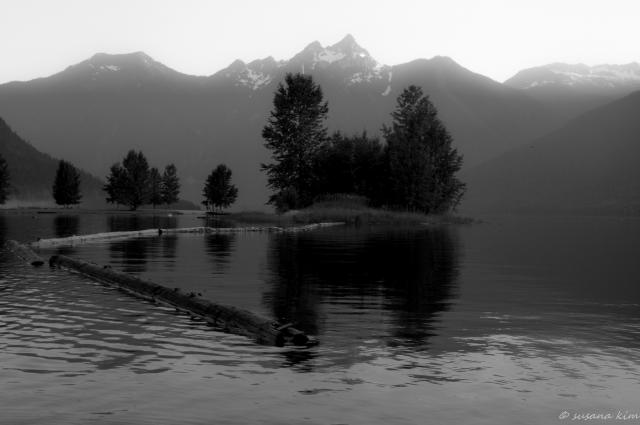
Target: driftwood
230,319
24,252
99,237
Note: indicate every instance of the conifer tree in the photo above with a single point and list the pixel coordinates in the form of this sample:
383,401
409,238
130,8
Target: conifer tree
170,185
422,163
294,134
218,191
66,186
4,180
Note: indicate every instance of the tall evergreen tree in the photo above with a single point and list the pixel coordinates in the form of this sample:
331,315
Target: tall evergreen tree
170,185
218,191
4,180
155,187
128,184
422,163
66,186
294,133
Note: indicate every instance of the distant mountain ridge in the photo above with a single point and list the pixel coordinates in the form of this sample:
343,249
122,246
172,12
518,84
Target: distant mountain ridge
570,90
600,77
93,112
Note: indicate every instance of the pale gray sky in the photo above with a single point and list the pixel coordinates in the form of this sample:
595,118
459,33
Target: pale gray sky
492,37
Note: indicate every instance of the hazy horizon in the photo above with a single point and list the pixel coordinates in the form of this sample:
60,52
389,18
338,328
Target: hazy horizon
495,38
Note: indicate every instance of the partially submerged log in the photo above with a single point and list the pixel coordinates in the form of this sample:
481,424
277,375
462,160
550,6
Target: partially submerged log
228,318
24,253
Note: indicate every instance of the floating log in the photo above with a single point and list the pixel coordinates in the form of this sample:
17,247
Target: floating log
98,237
313,226
229,318
24,252
95,237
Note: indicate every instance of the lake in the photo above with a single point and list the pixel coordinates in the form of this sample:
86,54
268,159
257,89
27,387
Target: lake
514,320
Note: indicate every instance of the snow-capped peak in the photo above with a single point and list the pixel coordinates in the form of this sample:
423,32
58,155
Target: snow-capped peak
347,52
254,75
345,57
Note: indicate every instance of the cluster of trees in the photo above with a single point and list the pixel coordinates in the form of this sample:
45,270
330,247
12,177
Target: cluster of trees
133,183
414,170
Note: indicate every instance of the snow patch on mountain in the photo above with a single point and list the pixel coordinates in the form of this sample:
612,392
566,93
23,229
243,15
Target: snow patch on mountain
330,56
346,58
253,79
388,89
559,74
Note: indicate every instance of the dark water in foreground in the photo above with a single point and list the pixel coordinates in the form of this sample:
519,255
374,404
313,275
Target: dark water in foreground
511,321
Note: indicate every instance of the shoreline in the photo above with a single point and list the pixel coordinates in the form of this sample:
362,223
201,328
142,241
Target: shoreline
310,215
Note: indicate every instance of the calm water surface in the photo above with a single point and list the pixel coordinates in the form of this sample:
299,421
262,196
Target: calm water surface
512,321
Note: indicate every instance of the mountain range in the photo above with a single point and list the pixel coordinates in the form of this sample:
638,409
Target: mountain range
93,112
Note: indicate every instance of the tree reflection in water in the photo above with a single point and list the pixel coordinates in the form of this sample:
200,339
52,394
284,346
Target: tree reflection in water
364,283
126,222
66,225
220,247
131,254
63,226
3,229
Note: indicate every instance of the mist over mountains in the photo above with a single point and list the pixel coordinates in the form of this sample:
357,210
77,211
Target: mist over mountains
93,112
591,164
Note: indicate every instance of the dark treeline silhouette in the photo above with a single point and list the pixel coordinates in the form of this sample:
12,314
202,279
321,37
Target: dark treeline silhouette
133,183
410,273
415,170
351,165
